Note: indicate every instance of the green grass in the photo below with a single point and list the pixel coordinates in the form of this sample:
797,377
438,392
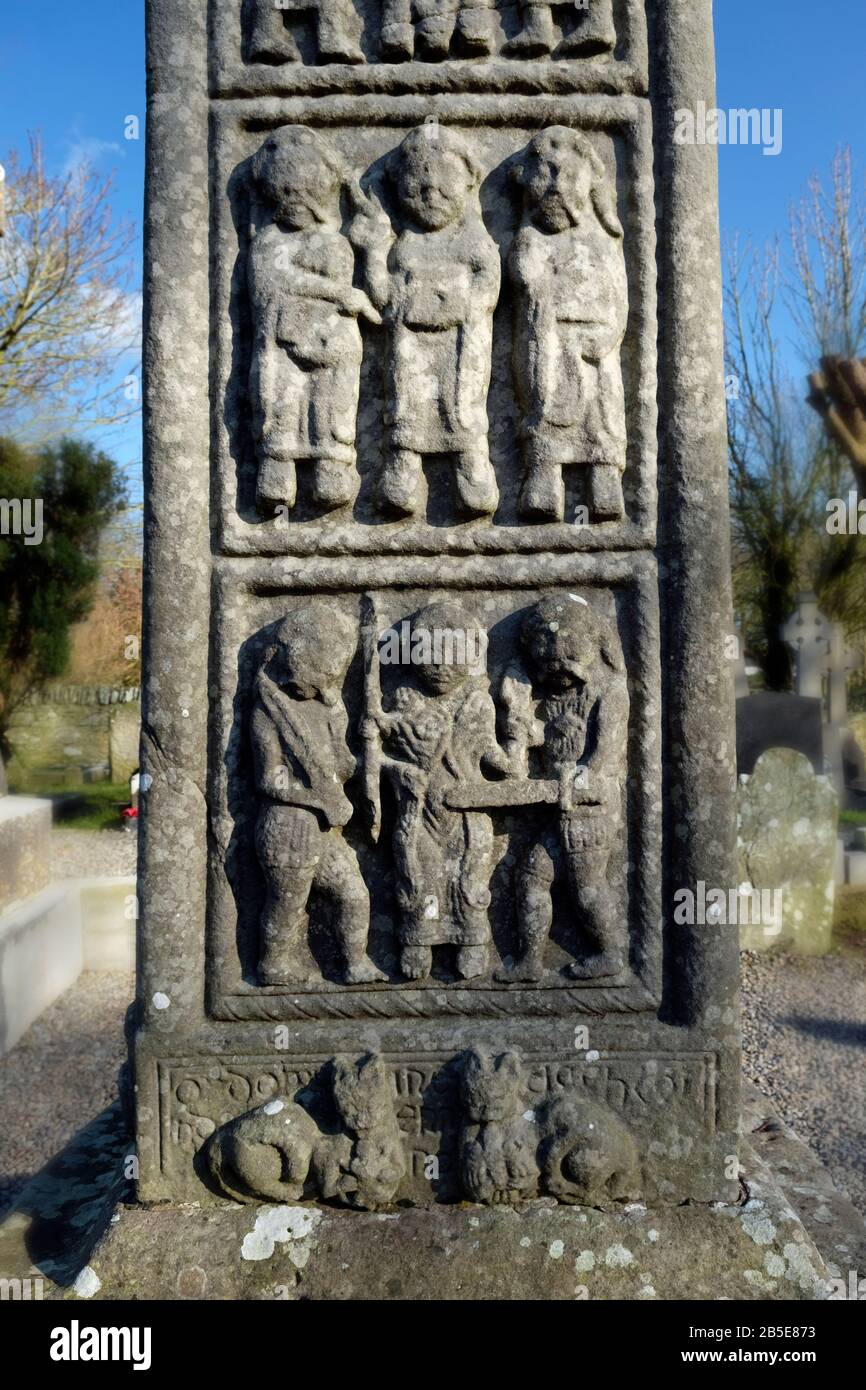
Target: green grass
852,817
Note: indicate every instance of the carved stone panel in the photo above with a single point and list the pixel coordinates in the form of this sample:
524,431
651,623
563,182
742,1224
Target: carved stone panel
436,715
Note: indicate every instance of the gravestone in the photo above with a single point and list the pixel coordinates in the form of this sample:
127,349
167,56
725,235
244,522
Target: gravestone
787,855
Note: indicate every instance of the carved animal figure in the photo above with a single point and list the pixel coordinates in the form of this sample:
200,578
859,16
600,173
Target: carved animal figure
278,1152
498,1142
588,1155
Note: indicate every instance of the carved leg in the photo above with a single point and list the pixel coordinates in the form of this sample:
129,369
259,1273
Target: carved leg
538,34
605,493
399,483
600,920
475,482
339,877
475,29
286,841
595,32
334,484
472,961
277,483
542,497
416,962
269,39
534,916
397,40
335,43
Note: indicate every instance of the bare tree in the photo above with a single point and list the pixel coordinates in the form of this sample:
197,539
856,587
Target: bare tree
67,317
784,464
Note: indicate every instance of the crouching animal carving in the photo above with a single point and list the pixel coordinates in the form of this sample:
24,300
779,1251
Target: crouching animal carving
573,1149
587,1155
279,1152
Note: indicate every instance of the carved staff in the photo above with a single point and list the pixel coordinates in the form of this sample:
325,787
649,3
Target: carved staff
372,789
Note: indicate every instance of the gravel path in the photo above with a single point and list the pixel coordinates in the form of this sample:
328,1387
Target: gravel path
61,1075
804,1045
92,853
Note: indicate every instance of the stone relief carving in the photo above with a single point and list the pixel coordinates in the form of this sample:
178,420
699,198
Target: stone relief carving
593,33
270,40
439,735
436,282
280,1152
306,354
428,30
568,275
432,738
577,674
588,1156
302,762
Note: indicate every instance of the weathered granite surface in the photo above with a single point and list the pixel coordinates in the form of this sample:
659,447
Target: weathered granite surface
788,1237
436,712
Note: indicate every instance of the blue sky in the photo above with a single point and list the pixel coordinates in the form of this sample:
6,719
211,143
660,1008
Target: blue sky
76,71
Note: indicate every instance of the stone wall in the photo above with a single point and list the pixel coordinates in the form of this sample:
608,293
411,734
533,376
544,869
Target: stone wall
69,734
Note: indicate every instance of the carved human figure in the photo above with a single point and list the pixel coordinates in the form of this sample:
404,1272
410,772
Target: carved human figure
436,284
593,33
568,273
498,1140
579,679
302,762
306,353
271,41
279,1152
440,734
425,28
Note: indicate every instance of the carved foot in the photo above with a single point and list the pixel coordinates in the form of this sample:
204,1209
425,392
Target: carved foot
277,484
416,962
598,967
587,43
398,42
605,493
472,961
338,48
527,971
434,39
475,32
398,486
476,486
363,972
334,484
537,36
543,494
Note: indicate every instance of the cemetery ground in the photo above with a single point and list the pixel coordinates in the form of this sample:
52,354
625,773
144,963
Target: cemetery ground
803,1044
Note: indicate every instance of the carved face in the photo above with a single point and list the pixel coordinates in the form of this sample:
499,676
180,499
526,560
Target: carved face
433,184
298,179
561,640
446,646
312,655
558,183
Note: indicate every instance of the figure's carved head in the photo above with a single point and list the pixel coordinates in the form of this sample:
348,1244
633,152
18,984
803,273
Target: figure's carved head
299,175
448,645
435,174
363,1092
561,175
562,639
314,646
491,1086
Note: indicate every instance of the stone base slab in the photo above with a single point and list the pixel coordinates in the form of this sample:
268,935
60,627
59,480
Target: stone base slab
788,1238
40,957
